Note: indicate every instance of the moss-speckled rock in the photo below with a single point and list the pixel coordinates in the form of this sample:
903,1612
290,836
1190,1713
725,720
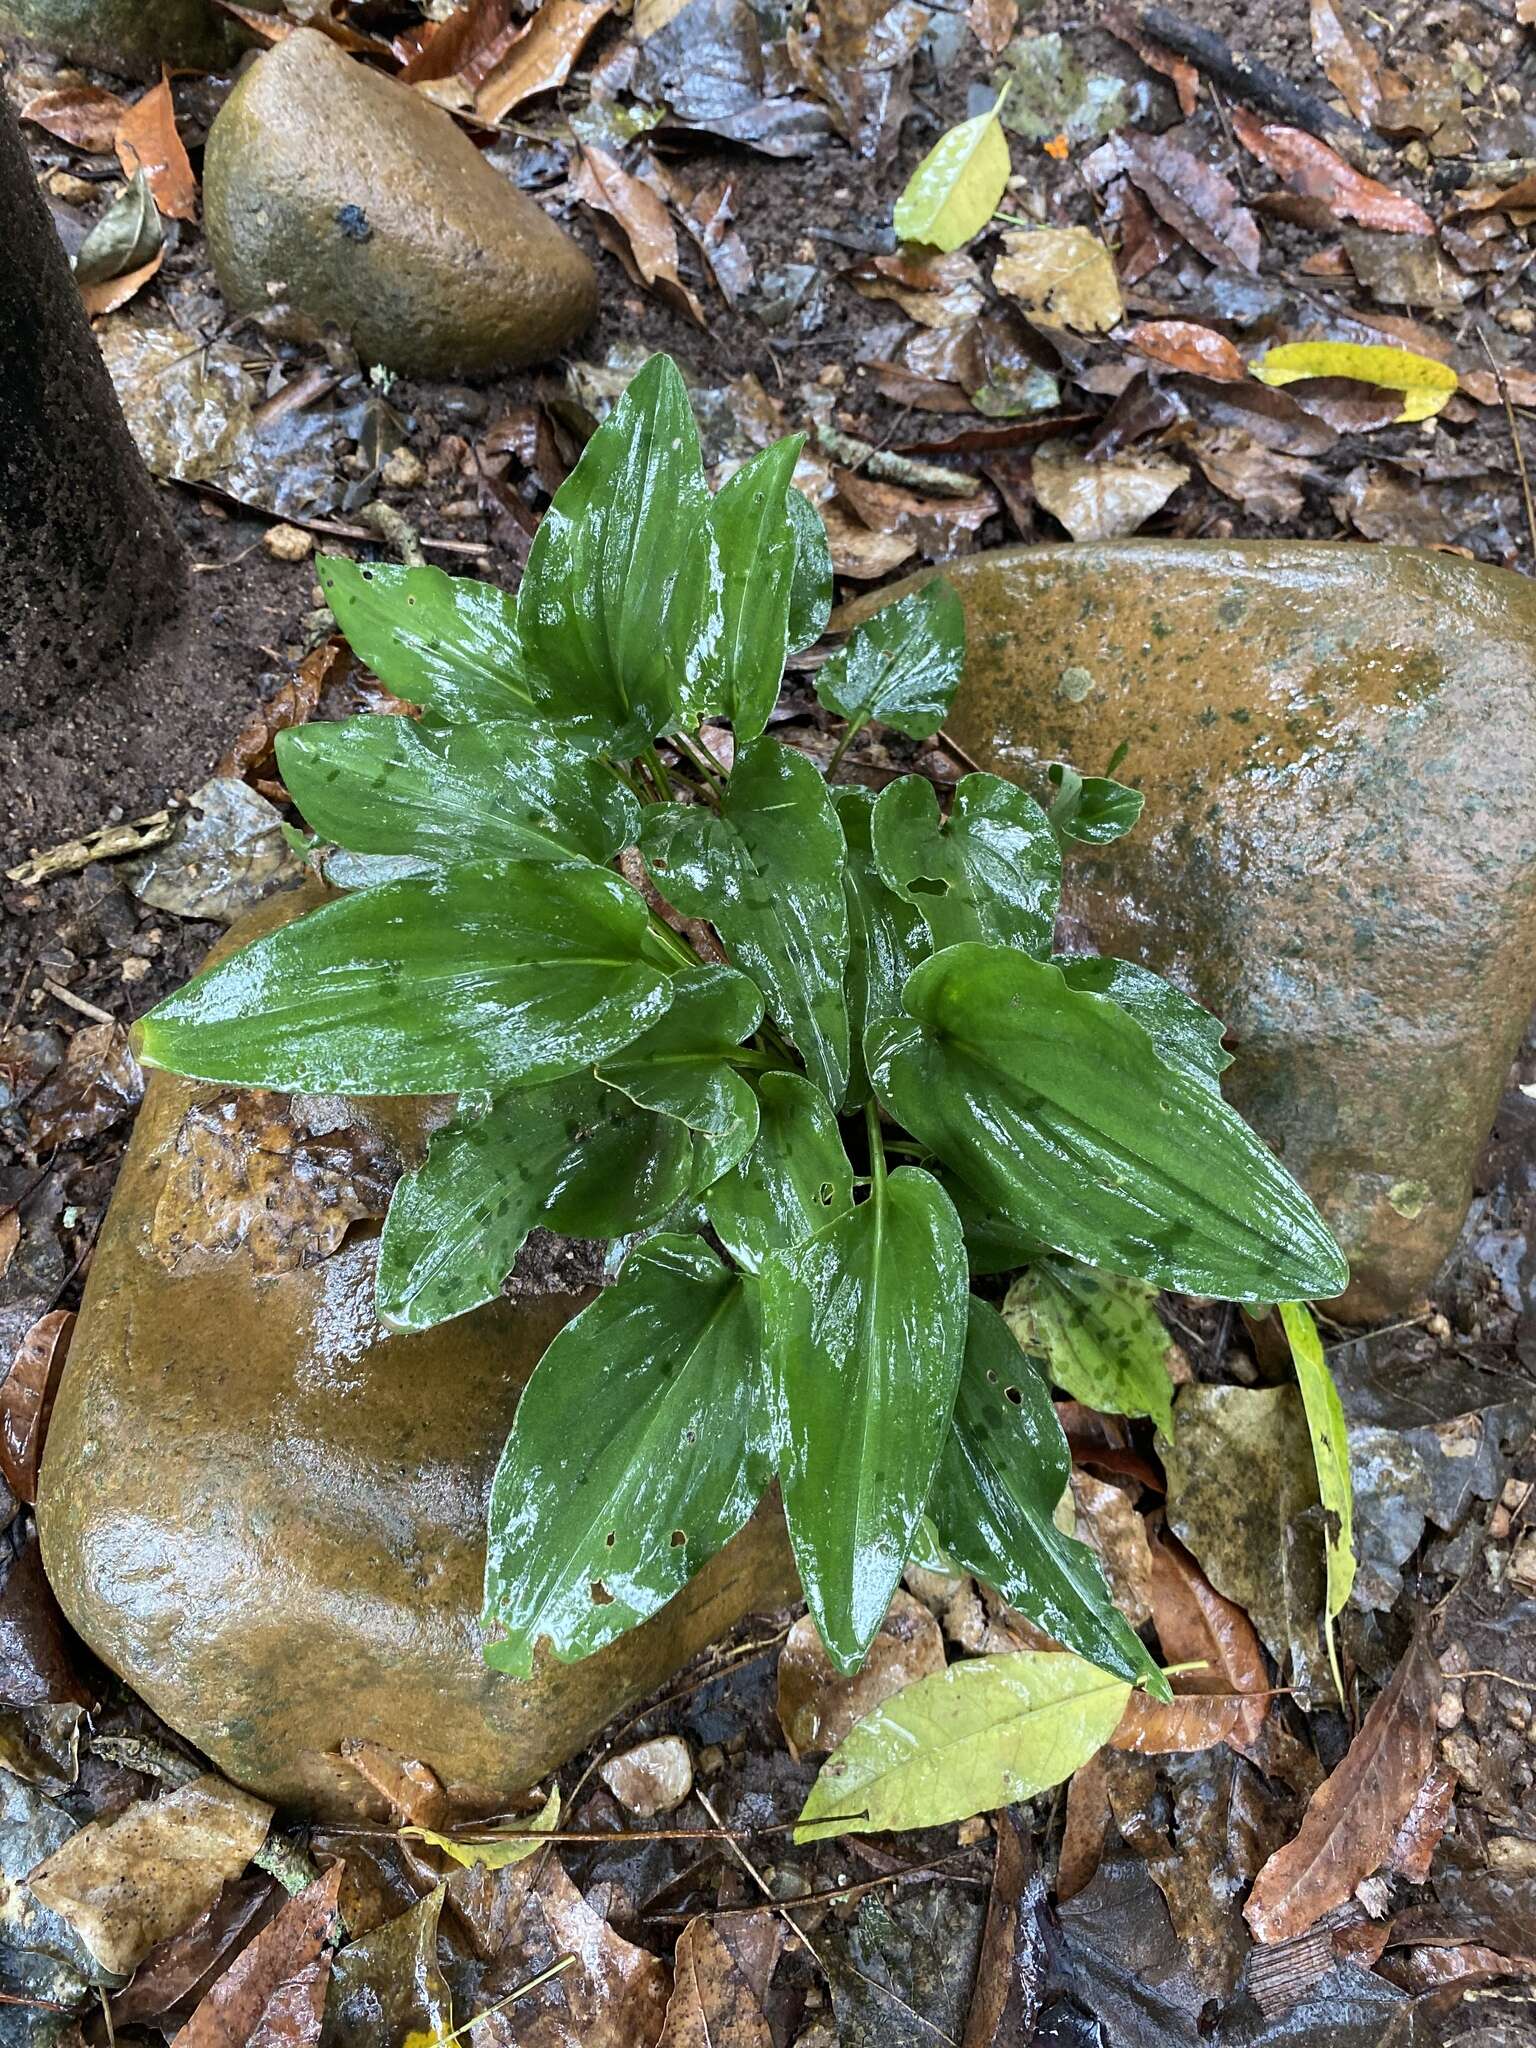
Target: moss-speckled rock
270,1521
1338,853
133,37
344,197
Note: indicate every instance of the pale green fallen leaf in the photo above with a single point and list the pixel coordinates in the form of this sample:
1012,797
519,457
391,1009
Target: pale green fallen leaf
1099,1334
491,1850
1424,383
980,1735
1330,1454
954,191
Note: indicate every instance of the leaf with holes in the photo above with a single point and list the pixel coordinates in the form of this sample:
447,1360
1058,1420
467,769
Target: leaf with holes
886,935
864,1326
767,872
902,666
1004,1469
796,1179
499,789
1056,1109
446,643
1098,1335
991,870
640,1446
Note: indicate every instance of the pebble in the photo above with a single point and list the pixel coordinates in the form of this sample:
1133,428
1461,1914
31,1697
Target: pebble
404,470
288,543
651,1778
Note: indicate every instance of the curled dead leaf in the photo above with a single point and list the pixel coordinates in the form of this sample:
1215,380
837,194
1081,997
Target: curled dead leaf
26,1400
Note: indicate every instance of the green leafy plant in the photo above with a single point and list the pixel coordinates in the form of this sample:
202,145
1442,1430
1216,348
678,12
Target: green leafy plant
824,1069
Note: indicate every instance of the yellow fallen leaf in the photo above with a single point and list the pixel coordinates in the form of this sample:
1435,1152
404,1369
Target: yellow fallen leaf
495,1851
1062,277
1424,383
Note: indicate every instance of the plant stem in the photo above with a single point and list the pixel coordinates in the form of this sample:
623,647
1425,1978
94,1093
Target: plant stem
876,1148
669,938
695,752
850,734
658,773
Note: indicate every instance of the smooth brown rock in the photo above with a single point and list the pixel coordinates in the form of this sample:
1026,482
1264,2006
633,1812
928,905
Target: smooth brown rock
1337,745
341,196
270,1521
134,37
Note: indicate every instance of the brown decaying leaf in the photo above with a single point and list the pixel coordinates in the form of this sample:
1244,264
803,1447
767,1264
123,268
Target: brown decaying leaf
856,551
1196,200
1406,270
1103,500
1108,1523
287,1949
148,141
1419,1836
1483,385
1085,1828
410,1789
1311,168
26,1400
613,193
1195,1625
939,526
1062,277
295,2013
98,1083
127,1883
992,23
1352,1821
455,47
1479,199
720,1985
85,116
181,1970
818,1705
1183,76
10,1230
1011,1969
113,292
542,57
35,1667
252,758
1346,405
1268,485
1346,59
857,61
1184,345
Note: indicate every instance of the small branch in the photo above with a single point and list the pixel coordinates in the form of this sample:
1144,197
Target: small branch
1514,435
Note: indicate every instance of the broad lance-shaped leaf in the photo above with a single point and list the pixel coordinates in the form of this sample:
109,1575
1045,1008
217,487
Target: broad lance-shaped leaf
991,870
864,1326
810,592
498,789
446,643
766,870
796,1179
1004,1468
449,983
574,1154
1185,1034
1057,1110
1099,1336
984,1733
902,666
640,1446
1092,808
886,936
758,553
956,188
679,1066
619,605
1330,1454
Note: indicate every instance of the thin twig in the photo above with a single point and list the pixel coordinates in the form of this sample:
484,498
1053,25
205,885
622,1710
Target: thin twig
1514,434
762,1884
842,1891
71,1001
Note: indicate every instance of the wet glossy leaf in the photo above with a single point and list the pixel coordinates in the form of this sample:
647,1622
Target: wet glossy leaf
985,1733
1309,167
1330,1448
865,1327
679,1064
902,666
1184,345
1099,1335
1062,277
1003,1471
955,190
887,937
387,1985
439,984
640,1447
233,2006
129,234
767,872
1424,383
796,1179
1184,1033
810,590
758,547
612,609
489,1850
1055,1108
1092,808
1104,499
502,789
446,643
991,870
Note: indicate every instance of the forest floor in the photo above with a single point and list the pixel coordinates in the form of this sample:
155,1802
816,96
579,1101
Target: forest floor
1110,1912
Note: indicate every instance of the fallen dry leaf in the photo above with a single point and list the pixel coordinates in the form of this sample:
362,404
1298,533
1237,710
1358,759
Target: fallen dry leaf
857,61
1195,1624
939,526
111,292
1406,270
1242,469
601,182
1103,500
180,1971
818,1705
97,1084
1313,170
1011,1968
1184,345
127,1883
651,1778
86,116
1195,199
1353,1819
253,757
26,1400
283,1952
410,1789
1419,1836
1480,198
1182,75
1062,277
148,141
467,45
722,1970
1346,59
1085,1828
992,23
243,1174
856,551
1107,1521
541,57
